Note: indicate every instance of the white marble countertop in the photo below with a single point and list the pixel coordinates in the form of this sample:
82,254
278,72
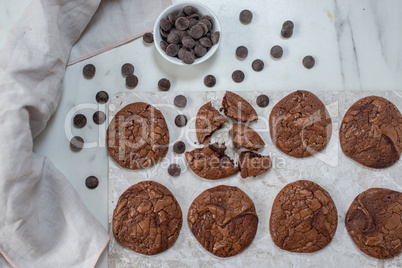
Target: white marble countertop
356,44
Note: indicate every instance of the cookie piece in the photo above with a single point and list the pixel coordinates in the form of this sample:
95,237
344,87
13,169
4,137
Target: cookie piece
374,222
238,108
147,218
137,136
303,217
300,125
207,121
223,220
245,137
211,162
371,132
253,164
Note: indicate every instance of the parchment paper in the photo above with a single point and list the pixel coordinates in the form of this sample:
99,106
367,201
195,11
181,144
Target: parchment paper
343,178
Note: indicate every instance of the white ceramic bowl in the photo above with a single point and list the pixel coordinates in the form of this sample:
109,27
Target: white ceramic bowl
175,9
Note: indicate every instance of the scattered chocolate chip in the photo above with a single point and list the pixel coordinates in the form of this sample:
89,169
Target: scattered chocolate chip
188,57
131,81
179,147
188,42
241,52
288,23
148,38
102,97
91,182
164,45
172,50
246,16
173,38
127,69
174,170
164,84
215,38
76,144
79,121
308,62
180,120
286,32
276,52
182,23
200,50
206,42
209,80
180,101
99,117
257,65
238,76
165,24
262,101
89,71
189,10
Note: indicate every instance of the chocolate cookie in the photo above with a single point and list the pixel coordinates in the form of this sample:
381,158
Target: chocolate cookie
238,108
211,162
147,218
223,220
253,164
303,218
371,132
207,121
138,136
300,125
245,137
374,222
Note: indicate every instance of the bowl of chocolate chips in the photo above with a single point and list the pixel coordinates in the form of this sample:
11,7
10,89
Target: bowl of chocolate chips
187,33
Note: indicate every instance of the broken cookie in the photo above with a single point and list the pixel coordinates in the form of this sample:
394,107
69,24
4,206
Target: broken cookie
245,137
207,121
253,164
238,108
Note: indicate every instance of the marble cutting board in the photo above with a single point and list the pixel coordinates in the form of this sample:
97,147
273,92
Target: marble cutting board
343,178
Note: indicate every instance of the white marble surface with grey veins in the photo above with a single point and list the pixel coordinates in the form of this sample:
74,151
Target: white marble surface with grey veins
356,44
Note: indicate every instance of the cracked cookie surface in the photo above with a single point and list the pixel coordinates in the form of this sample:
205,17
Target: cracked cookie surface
374,222
245,137
371,132
303,217
238,108
211,162
147,218
208,120
223,220
300,125
253,164
137,136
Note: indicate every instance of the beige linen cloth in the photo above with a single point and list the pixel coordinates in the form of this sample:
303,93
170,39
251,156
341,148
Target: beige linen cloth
43,222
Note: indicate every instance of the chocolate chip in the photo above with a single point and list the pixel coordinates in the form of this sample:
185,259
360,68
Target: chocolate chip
181,14
99,117
89,71
127,69
206,42
204,28
91,182
188,57
173,38
171,18
209,80
131,81
286,31
182,23
164,84
288,23
238,76
276,52
179,147
246,16
174,170
180,101
207,23
76,144
172,50
164,33
163,45
192,22
194,16
180,120
196,31
208,18
165,24
257,65
200,50
188,41
189,10
308,62
262,101
182,51
241,52
215,38
79,121
148,38
102,97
